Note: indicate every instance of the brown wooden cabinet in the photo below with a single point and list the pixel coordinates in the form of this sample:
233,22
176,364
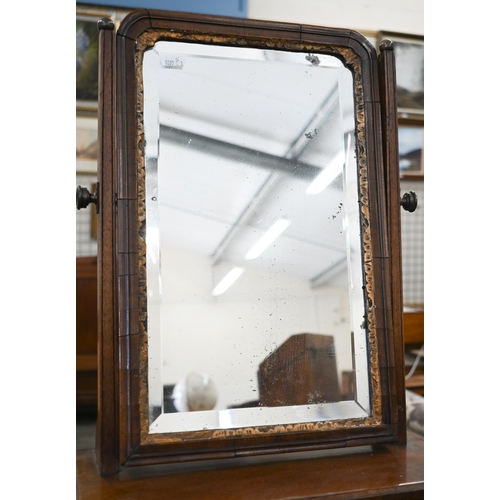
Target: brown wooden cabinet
86,333
413,327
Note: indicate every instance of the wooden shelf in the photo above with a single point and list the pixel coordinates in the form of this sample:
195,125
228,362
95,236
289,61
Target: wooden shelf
416,383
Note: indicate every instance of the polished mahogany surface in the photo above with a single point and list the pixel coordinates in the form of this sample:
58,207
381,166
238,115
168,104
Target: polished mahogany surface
379,471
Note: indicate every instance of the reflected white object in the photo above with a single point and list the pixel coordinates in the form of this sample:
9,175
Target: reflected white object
271,234
196,393
327,175
228,280
179,396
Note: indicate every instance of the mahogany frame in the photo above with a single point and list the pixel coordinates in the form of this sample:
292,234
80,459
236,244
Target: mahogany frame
122,437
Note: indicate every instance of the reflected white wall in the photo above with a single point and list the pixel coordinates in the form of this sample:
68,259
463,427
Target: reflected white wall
215,334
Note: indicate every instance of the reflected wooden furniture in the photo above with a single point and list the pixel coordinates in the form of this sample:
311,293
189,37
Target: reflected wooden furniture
86,333
300,371
388,471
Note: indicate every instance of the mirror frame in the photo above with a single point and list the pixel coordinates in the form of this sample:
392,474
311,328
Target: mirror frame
122,429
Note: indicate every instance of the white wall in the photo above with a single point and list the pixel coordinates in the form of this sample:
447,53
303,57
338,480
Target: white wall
404,16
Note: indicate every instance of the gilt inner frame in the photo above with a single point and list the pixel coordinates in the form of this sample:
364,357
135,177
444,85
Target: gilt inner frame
351,60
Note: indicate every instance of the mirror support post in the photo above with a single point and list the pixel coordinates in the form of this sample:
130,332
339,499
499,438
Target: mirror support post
387,72
107,423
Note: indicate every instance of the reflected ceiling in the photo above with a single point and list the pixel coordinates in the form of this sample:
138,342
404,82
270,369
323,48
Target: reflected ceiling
224,145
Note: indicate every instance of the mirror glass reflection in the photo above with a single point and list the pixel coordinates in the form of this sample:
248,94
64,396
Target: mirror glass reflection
254,267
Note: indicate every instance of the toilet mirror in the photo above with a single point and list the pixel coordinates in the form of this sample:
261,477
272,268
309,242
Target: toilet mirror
253,297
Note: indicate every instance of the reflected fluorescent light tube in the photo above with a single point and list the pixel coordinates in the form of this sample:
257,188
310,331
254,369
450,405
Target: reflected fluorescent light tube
228,280
327,175
153,243
272,233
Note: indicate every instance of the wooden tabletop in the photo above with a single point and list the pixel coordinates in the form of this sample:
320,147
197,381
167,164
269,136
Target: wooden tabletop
380,471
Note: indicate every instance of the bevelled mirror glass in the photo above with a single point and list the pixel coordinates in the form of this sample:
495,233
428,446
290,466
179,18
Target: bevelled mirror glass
254,292
256,306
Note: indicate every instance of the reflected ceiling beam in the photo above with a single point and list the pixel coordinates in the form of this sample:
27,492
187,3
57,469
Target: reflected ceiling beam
275,164
288,163
296,148
315,123
329,273
239,154
244,216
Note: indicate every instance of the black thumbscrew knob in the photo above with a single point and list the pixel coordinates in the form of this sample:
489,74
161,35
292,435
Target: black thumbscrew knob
84,198
409,201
